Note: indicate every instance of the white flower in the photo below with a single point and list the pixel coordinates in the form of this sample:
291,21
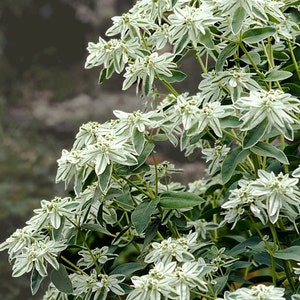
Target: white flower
156,285
147,68
239,201
37,256
129,24
101,255
279,193
68,165
53,212
115,53
210,113
253,8
105,151
190,275
279,108
216,156
188,23
202,227
257,292
91,286
20,239
166,250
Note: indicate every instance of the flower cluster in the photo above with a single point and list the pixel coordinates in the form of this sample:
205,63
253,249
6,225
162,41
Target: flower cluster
267,197
124,230
175,271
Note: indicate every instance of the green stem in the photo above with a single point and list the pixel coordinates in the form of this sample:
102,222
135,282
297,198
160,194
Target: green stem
270,251
286,265
156,173
74,267
170,88
261,75
294,59
199,59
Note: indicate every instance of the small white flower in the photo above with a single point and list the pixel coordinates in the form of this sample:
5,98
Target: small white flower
279,108
90,286
37,256
52,212
188,23
216,156
145,69
101,255
156,285
190,275
279,193
257,292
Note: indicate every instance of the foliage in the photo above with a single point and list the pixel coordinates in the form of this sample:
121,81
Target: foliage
127,231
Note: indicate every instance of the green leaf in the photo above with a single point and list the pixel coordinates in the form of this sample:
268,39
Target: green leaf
177,76
230,121
228,51
138,139
96,228
256,35
102,76
280,55
151,232
253,136
178,200
35,281
238,19
291,253
181,45
255,57
147,150
105,177
244,246
265,149
221,281
142,214
128,269
206,39
278,75
231,161
61,280
292,88
146,85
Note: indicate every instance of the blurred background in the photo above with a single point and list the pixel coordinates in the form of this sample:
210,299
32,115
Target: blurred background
45,95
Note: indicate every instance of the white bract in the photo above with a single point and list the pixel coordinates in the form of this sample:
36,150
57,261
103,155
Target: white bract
125,229
278,108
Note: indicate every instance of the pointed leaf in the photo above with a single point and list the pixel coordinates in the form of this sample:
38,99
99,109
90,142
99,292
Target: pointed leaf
278,75
104,178
206,39
238,19
128,269
102,76
265,149
142,214
35,280
231,161
228,51
178,200
61,280
291,253
256,35
96,228
254,135
138,139
177,76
